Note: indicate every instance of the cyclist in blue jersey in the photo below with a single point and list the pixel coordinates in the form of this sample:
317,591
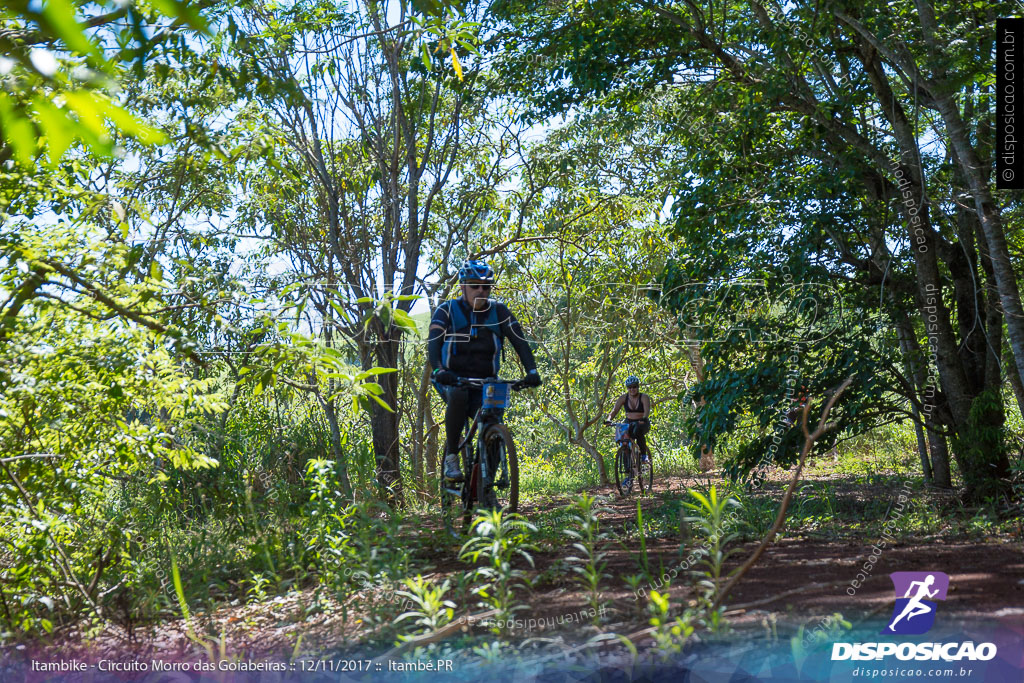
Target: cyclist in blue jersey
466,339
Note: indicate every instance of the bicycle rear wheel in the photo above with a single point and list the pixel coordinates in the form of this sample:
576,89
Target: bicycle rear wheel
624,470
502,491
646,477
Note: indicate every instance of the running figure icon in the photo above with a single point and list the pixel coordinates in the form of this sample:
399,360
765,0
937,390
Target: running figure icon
916,593
915,607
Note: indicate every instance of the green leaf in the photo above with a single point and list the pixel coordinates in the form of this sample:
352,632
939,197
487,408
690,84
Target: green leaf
405,321
55,126
374,371
90,117
339,310
184,11
129,124
61,17
179,590
17,130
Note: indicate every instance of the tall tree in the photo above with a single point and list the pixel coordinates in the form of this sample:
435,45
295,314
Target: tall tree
375,107
848,142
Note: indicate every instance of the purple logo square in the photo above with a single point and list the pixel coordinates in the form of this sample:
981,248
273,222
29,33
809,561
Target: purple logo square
916,593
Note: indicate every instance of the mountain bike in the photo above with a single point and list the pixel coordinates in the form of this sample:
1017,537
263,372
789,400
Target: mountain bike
630,467
490,464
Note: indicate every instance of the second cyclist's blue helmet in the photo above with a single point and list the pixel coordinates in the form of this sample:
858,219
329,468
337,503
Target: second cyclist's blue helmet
632,380
478,271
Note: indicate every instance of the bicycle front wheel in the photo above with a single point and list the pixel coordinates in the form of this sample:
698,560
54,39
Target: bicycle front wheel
502,491
624,470
450,505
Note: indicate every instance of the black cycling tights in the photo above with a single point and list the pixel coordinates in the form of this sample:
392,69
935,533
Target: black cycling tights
462,404
637,430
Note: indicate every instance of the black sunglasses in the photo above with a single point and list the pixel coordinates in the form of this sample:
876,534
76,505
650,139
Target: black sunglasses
485,288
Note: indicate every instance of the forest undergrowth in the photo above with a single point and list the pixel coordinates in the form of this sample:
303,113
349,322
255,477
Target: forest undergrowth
296,571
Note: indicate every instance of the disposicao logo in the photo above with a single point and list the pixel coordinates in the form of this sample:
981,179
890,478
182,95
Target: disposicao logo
914,612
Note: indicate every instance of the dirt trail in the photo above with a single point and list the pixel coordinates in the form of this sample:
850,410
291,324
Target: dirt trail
798,581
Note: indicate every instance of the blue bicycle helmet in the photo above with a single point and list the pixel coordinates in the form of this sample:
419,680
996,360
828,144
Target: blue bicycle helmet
631,380
478,271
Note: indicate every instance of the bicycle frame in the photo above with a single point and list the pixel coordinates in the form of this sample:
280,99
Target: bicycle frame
488,414
483,419
623,438
485,416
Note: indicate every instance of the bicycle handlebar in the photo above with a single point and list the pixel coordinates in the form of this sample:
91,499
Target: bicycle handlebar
516,384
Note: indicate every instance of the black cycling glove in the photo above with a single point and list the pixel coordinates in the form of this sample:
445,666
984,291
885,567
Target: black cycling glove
442,376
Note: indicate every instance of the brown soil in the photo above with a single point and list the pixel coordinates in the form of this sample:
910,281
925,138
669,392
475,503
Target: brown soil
797,581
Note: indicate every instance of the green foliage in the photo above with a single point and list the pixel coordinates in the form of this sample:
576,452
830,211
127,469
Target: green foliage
711,520
257,589
432,610
192,241
793,272
498,539
827,631
982,449
59,85
642,534
670,634
590,564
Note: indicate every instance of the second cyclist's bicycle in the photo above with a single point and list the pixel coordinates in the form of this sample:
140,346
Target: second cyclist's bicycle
631,469
488,457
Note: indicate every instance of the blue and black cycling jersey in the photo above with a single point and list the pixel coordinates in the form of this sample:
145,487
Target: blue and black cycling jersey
471,345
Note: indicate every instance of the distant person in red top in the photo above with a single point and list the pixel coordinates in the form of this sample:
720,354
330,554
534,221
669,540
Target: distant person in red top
638,412
794,413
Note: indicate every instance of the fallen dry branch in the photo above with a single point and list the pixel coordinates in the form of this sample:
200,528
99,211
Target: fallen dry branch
463,623
785,594
809,439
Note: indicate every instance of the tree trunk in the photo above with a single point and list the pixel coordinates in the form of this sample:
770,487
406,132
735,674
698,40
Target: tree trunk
336,453
707,453
592,451
941,476
913,370
419,433
384,421
1015,383
915,208
976,173
958,389
431,454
